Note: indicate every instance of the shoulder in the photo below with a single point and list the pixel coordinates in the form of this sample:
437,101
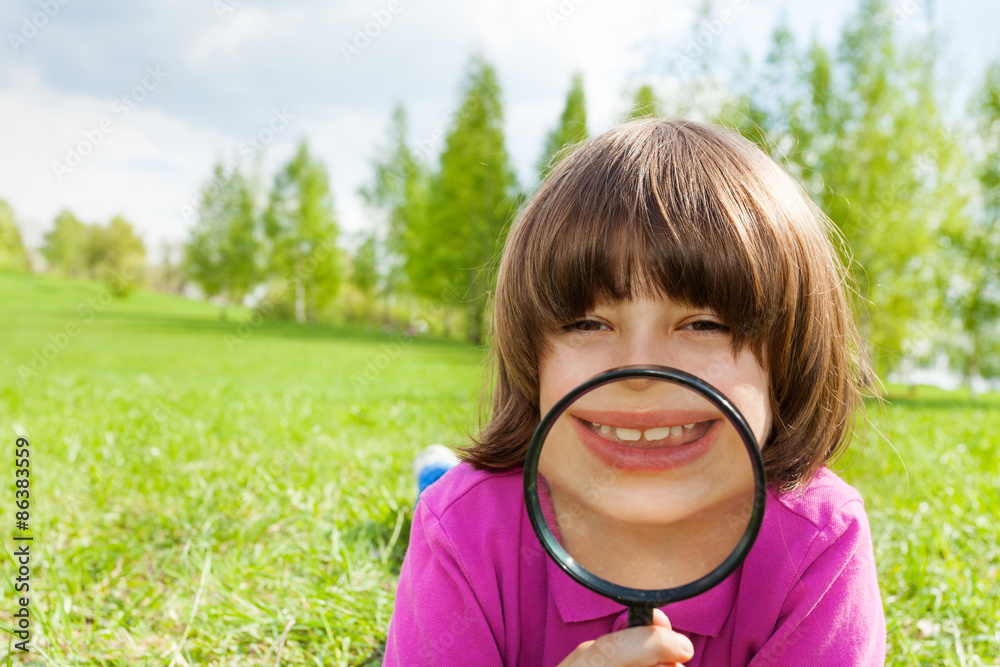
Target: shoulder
470,501
820,592
450,599
812,533
825,504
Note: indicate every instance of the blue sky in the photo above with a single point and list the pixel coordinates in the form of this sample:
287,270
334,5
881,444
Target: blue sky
155,91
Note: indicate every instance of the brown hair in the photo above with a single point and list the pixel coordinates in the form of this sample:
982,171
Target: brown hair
703,216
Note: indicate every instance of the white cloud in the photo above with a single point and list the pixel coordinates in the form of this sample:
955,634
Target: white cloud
243,28
143,168
228,74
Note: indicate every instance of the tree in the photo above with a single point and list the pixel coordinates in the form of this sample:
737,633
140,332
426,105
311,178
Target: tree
767,109
364,268
453,248
694,69
13,256
63,245
863,130
171,273
398,192
896,184
301,229
974,248
644,104
115,254
223,253
571,130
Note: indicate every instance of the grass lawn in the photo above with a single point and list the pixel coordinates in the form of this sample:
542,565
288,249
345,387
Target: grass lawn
229,493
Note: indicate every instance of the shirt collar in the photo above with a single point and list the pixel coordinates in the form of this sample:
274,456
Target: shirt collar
703,614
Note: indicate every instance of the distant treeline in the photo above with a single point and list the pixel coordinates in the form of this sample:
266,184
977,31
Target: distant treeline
910,178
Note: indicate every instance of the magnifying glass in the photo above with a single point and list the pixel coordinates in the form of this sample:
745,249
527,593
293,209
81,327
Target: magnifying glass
645,484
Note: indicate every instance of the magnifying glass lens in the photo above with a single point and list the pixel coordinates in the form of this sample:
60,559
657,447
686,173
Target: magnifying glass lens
646,483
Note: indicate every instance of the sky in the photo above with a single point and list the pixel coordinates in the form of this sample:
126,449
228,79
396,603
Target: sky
123,107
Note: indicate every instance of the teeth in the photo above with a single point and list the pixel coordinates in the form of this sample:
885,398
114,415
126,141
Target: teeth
627,433
652,434
659,433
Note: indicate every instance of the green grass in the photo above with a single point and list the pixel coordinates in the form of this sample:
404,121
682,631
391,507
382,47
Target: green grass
239,494
179,459
933,500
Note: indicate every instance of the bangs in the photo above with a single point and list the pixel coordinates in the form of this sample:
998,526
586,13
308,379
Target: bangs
649,216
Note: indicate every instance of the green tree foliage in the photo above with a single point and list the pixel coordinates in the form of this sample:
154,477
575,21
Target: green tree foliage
13,256
115,254
571,130
364,266
644,104
171,274
223,252
765,108
452,250
863,129
974,248
399,192
63,245
696,64
302,231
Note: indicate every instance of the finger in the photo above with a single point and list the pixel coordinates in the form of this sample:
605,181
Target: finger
680,647
640,647
573,658
660,619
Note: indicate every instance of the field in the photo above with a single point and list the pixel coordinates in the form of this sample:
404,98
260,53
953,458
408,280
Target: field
238,493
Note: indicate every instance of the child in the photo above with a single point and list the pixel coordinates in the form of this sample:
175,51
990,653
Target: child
678,244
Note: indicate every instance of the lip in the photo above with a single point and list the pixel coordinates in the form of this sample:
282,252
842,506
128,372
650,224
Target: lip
645,457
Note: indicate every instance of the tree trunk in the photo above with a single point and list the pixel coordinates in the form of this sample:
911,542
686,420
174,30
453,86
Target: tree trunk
476,321
972,368
300,301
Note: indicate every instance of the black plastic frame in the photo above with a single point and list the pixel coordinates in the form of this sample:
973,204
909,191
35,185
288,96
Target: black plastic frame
642,601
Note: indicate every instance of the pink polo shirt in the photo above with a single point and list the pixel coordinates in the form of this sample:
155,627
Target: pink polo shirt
477,588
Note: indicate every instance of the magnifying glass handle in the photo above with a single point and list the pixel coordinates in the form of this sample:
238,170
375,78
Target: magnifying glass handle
640,614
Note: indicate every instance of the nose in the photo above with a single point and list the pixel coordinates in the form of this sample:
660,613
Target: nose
638,384
648,348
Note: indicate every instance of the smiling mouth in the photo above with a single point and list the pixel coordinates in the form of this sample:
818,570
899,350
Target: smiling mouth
675,435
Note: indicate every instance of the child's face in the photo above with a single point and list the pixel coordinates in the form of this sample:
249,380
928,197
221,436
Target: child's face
628,489
661,332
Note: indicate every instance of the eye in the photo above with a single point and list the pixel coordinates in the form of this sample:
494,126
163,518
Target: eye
707,325
585,325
